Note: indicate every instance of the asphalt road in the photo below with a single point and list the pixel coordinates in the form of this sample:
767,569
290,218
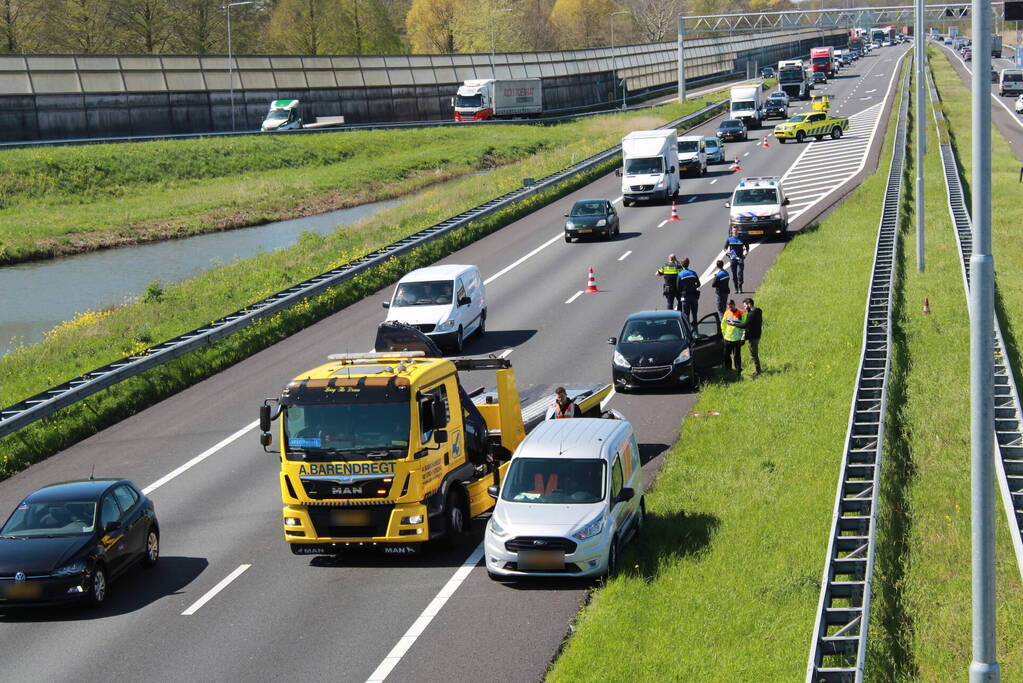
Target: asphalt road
284,616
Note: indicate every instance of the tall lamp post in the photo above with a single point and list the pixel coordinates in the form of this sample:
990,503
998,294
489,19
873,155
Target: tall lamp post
614,57
493,39
230,54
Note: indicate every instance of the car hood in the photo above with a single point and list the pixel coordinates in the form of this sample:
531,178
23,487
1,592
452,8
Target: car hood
544,519
641,354
34,556
419,315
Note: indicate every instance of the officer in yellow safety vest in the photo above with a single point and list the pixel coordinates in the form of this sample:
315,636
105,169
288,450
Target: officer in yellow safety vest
733,337
669,271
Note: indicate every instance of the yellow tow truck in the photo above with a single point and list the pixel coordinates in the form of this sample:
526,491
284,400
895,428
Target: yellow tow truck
387,449
813,124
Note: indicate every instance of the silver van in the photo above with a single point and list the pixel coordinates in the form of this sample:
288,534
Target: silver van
448,303
571,499
692,155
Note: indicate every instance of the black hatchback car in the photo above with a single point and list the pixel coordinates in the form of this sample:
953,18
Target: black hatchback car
776,107
660,349
66,542
591,218
732,129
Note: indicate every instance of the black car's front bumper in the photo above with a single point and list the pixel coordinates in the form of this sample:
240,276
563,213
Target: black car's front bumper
588,231
650,377
737,135
43,591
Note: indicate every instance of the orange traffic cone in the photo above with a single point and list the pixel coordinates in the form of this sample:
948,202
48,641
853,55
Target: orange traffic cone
735,165
674,212
763,142
591,283
927,306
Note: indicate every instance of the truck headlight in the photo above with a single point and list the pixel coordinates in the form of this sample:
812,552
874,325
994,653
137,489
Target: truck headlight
445,326
682,357
591,529
601,223
292,521
412,519
70,569
496,528
619,360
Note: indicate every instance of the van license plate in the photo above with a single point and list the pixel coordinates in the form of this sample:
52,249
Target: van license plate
756,232
541,560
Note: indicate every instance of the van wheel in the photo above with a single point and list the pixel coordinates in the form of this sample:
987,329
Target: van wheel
612,560
459,341
481,330
640,517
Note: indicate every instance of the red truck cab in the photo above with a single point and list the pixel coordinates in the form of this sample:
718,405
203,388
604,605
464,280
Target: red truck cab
823,59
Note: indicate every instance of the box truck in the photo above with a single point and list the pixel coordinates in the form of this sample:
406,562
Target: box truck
649,165
746,103
289,115
482,99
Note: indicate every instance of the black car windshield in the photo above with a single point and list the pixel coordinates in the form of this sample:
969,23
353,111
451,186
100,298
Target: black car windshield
555,480
776,103
588,209
731,123
688,146
53,518
352,421
642,331
423,293
754,197
644,166
468,101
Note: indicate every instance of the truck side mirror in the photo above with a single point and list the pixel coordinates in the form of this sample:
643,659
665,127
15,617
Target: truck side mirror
671,170
786,202
440,436
264,418
386,304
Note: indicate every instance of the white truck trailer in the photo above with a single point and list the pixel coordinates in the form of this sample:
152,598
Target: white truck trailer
649,165
498,98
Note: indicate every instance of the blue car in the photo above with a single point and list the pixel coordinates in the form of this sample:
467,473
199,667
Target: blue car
715,151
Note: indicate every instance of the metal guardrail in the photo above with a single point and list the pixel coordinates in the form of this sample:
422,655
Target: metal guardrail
839,648
580,112
1008,411
48,402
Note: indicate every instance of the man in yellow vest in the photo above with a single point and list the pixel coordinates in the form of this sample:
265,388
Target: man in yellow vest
733,336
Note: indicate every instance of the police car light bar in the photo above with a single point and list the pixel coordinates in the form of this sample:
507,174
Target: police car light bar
376,355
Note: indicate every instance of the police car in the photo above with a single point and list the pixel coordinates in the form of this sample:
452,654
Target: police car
759,208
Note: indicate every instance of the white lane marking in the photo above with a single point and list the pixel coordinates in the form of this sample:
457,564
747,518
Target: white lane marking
419,625
199,458
505,353
524,258
625,255
692,199
661,224
615,201
212,593
574,297
745,155
713,181
870,91
607,399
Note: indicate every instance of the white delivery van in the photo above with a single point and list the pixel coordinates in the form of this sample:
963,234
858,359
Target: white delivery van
570,501
649,165
692,154
448,303
288,115
1010,82
747,104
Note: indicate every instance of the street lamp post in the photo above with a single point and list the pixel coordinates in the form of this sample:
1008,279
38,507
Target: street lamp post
614,57
230,55
493,39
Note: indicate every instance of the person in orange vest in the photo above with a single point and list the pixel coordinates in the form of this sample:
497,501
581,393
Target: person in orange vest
731,330
563,406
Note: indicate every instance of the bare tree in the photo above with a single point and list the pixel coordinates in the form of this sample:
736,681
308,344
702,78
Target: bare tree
655,18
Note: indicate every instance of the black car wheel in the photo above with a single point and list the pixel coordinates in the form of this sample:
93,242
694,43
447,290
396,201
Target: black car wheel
694,377
568,239
98,586
151,553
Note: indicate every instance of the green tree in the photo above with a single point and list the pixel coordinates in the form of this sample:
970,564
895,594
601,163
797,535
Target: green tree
19,24
79,26
198,26
584,23
430,24
144,25
366,27
304,27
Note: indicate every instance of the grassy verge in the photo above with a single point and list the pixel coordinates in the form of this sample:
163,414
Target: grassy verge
723,585
64,200
923,620
98,337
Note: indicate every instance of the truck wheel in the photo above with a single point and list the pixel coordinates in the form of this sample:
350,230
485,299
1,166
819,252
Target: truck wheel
455,517
800,136
836,133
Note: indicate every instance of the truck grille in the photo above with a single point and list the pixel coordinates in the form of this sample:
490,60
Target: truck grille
521,543
642,188
326,521
325,489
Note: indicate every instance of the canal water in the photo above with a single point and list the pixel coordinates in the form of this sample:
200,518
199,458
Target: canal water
35,297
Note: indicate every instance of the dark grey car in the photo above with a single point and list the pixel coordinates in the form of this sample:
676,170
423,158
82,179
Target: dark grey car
591,218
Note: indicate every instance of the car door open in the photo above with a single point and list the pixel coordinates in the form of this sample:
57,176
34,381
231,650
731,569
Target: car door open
708,343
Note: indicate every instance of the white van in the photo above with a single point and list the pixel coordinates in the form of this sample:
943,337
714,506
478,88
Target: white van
649,165
448,303
570,501
692,155
1010,82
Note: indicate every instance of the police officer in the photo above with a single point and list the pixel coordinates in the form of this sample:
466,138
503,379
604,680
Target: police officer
720,284
689,292
669,271
736,249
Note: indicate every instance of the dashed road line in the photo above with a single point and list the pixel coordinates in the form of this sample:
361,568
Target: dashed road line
574,297
212,593
661,224
692,199
625,255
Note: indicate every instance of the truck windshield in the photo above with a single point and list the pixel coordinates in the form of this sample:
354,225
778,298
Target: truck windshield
742,106
469,101
555,480
790,76
436,293
645,165
821,60
278,115
348,421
